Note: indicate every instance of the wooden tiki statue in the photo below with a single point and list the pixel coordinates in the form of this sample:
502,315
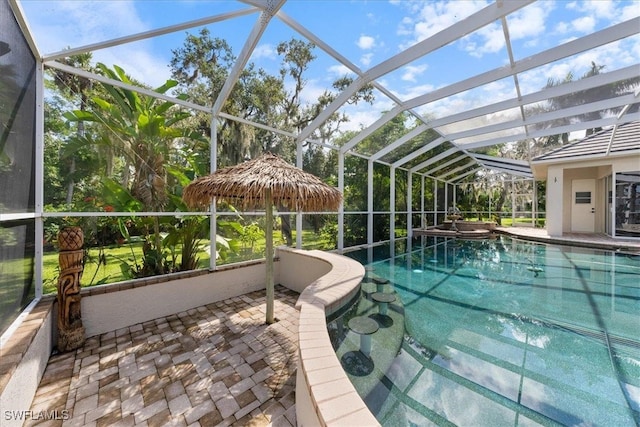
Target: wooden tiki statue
70,259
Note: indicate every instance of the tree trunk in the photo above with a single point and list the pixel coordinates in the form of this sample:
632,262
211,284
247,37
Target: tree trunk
499,202
158,240
285,227
71,184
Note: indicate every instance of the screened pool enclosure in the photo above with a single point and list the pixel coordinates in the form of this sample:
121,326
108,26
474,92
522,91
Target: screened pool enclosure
410,109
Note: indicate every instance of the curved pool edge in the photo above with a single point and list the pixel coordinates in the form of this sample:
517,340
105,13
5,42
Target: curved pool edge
586,240
324,394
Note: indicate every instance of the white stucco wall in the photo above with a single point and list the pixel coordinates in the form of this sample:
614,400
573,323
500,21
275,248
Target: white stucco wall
555,200
299,272
17,395
110,311
628,164
559,193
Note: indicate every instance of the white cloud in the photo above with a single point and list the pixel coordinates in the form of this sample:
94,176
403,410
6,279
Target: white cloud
584,24
630,11
372,18
500,88
363,115
529,21
613,56
340,70
562,28
264,51
412,71
489,39
366,42
571,5
405,28
432,17
366,59
57,25
62,24
599,8
414,91
447,106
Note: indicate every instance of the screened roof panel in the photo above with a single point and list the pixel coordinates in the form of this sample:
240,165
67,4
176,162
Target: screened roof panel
600,53
416,140
467,74
459,169
444,108
440,160
511,166
502,135
378,140
429,151
478,123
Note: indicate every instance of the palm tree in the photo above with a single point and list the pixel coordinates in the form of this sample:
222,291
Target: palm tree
142,129
584,97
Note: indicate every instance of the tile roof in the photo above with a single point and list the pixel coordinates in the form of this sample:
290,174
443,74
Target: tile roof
626,140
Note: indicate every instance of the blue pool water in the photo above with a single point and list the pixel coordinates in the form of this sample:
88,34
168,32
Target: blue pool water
500,332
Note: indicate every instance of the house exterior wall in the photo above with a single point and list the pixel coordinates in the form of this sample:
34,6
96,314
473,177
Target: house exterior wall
555,200
598,173
627,164
559,193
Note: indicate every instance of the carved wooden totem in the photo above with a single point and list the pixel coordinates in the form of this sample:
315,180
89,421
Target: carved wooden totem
70,329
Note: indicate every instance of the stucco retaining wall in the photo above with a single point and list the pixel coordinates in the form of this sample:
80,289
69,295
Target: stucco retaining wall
326,282
23,359
111,307
324,394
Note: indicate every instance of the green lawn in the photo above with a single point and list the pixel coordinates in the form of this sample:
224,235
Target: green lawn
111,264
507,221
102,265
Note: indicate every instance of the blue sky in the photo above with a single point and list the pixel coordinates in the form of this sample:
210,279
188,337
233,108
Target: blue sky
366,32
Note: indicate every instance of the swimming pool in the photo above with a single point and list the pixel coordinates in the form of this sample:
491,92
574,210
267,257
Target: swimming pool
500,332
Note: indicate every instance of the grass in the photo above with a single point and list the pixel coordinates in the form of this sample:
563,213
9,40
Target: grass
111,264
508,221
101,265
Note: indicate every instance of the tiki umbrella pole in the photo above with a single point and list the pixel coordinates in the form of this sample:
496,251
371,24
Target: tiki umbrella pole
269,253
258,183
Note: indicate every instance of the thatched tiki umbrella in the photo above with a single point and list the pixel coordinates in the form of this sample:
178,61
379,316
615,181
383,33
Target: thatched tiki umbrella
259,183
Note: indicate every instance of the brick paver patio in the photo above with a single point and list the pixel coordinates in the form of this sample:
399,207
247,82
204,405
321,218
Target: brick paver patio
218,364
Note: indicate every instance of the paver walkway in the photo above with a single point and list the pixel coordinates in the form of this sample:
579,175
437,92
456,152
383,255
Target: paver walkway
218,364
595,240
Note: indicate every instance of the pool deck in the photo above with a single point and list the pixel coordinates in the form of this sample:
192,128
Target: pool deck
218,364
214,365
600,241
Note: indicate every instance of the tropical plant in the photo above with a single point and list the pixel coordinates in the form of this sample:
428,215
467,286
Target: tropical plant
581,98
144,131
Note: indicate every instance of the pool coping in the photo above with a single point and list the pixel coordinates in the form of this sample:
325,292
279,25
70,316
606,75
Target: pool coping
327,388
324,394
589,241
